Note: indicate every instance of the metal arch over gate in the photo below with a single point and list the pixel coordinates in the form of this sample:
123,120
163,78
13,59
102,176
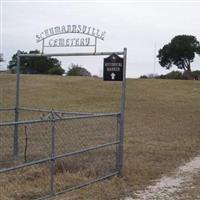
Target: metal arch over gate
55,117
70,42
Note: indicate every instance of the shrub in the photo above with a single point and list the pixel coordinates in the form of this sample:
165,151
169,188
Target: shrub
77,70
196,74
174,75
143,77
56,71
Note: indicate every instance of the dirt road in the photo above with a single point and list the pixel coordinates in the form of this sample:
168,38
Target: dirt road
182,184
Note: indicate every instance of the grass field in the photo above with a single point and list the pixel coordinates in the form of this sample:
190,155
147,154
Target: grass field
162,127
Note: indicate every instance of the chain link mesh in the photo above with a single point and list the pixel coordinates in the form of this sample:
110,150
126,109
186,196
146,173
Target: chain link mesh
27,183
34,141
55,135
76,134
6,145
7,115
81,168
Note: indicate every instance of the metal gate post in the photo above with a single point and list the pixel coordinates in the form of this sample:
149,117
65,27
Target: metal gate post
117,146
52,167
121,131
15,139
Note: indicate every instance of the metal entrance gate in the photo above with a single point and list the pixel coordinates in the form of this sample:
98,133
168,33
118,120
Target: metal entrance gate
61,151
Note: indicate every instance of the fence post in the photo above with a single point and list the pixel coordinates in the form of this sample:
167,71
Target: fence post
121,131
52,167
117,145
15,139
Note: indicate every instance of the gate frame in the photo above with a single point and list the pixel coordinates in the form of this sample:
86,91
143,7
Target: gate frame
120,150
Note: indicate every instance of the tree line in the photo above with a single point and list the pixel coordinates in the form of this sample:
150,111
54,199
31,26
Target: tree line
44,65
195,75
36,65
179,52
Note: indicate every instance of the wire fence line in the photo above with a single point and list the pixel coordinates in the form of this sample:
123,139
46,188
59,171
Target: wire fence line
57,152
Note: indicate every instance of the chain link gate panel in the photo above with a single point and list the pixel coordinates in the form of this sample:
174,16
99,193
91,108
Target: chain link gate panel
46,152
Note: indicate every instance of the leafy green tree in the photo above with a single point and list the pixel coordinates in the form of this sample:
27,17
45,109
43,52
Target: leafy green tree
36,65
77,70
179,52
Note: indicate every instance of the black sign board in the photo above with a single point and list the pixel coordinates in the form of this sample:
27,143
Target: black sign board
113,68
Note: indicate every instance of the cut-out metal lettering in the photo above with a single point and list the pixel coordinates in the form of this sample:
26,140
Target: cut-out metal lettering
49,37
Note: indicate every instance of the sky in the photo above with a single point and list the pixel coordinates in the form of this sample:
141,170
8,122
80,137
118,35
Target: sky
143,27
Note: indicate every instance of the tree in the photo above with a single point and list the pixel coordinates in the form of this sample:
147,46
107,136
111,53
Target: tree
179,52
1,57
77,70
36,65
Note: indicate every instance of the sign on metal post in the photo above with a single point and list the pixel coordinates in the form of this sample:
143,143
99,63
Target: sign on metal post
113,68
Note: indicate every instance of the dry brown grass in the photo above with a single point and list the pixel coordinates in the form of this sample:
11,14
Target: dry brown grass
191,191
162,124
